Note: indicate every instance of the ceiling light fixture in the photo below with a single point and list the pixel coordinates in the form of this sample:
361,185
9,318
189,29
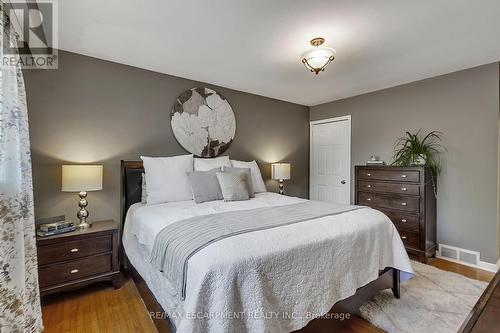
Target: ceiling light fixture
318,58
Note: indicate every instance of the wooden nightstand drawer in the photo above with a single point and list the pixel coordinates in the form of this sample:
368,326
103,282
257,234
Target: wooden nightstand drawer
78,258
74,249
75,269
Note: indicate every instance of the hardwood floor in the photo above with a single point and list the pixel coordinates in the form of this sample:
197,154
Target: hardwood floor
470,272
102,309
97,309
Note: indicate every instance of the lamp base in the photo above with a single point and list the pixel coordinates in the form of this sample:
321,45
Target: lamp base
83,213
281,187
83,225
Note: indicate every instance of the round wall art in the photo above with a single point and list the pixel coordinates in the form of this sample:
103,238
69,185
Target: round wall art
203,122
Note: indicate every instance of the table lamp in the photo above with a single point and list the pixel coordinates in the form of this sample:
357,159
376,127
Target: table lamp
82,178
281,172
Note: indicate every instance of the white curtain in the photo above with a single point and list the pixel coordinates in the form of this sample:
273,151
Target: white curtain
19,294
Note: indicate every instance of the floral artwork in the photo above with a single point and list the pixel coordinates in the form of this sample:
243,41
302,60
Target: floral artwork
203,122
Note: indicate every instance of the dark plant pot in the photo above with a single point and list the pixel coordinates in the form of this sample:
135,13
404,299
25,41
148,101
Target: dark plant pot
419,160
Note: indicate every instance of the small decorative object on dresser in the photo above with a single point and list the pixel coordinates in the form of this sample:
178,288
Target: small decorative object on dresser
374,161
75,259
82,178
281,172
405,195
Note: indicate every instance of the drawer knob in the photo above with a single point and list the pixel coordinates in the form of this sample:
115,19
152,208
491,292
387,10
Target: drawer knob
403,204
73,250
403,188
403,220
369,186
403,176
369,199
404,237
73,271
369,174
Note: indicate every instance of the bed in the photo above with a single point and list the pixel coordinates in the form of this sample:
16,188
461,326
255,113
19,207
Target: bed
274,280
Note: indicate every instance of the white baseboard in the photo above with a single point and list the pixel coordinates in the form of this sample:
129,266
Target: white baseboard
477,262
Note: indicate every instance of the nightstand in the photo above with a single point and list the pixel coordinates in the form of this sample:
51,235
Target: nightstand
78,258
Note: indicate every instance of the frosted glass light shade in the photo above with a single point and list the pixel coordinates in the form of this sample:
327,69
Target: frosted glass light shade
280,171
318,58
77,178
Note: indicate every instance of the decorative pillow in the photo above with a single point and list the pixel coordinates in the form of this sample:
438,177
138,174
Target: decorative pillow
251,193
234,186
144,195
205,164
205,185
257,182
166,178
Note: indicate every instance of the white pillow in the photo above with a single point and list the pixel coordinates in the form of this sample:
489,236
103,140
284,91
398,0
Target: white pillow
257,181
205,164
144,193
166,178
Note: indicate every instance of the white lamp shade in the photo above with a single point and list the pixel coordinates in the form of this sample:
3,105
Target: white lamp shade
280,171
77,178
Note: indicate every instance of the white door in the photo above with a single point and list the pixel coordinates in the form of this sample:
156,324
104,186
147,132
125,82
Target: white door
330,169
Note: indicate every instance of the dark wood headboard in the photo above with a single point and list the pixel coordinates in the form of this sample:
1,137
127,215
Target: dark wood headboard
131,186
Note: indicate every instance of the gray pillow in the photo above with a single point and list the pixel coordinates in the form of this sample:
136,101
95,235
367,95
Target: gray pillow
205,185
234,186
247,171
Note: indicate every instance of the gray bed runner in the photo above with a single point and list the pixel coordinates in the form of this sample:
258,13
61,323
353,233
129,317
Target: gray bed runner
179,241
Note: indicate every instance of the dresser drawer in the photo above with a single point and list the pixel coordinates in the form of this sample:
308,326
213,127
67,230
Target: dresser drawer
410,239
75,269
408,204
390,175
403,221
68,250
371,186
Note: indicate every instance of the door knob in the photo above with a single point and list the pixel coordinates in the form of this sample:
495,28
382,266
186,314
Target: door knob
342,182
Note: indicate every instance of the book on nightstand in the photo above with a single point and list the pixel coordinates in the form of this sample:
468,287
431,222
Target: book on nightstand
57,231
54,226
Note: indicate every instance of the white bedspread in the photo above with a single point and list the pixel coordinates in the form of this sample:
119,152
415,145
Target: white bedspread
271,280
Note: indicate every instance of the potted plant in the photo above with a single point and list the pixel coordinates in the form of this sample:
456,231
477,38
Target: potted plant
409,150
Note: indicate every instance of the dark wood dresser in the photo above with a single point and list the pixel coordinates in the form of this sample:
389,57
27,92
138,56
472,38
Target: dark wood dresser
75,259
406,196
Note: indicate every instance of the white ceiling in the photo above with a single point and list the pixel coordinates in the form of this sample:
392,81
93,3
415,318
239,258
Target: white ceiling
255,46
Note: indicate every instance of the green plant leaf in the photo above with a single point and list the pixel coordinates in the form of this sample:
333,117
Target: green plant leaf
408,149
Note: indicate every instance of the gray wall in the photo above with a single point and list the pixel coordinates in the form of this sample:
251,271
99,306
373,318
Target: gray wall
465,106
94,111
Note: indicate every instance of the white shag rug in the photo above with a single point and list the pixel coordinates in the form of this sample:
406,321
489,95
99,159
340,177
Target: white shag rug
432,301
